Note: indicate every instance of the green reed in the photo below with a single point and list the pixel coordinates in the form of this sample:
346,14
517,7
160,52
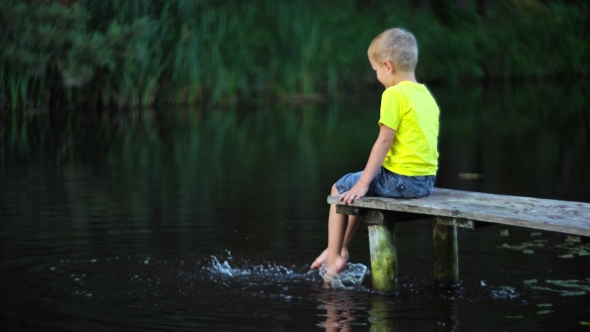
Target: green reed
200,51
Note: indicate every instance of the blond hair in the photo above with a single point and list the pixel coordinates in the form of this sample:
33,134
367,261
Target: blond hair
396,45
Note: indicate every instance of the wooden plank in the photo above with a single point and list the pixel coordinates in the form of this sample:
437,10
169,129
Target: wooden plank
350,210
544,214
391,216
463,223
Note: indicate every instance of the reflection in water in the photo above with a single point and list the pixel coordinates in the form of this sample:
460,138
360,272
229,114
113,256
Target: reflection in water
445,319
381,314
112,223
341,309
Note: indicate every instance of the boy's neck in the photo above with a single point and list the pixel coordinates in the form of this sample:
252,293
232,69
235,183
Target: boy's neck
404,76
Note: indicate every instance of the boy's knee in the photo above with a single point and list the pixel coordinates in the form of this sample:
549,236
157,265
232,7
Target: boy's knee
334,190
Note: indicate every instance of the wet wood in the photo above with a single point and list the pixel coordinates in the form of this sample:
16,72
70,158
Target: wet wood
389,216
383,257
446,254
350,210
543,214
463,223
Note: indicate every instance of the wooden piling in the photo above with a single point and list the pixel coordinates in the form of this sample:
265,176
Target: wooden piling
446,257
383,251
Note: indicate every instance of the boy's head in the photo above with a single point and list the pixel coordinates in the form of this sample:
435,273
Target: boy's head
395,45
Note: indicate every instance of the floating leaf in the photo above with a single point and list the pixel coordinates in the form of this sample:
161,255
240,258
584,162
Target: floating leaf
585,323
506,245
570,293
537,245
544,288
573,238
504,232
528,252
544,305
569,285
576,249
513,316
543,312
508,288
536,234
531,281
584,253
566,256
565,281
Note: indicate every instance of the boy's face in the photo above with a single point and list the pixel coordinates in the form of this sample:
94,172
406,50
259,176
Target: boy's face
384,72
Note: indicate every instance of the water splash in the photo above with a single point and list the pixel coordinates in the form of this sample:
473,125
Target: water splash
352,275
224,268
260,270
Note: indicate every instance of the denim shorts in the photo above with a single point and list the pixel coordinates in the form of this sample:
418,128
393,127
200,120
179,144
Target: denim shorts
389,184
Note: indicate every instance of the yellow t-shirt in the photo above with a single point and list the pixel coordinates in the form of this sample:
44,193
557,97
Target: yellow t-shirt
410,110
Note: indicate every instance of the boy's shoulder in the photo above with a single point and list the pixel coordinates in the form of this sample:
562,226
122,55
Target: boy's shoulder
407,89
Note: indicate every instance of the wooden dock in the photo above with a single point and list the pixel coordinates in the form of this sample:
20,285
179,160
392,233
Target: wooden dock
450,209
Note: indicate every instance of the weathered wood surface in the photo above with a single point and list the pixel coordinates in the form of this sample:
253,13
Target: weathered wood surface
446,253
383,257
544,214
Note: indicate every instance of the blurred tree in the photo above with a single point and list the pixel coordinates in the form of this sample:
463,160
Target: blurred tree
49,39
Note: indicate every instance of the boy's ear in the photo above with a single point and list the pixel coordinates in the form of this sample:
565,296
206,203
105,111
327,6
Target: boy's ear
390,66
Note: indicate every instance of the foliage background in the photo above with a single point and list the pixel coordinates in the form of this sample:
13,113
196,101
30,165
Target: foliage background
56,53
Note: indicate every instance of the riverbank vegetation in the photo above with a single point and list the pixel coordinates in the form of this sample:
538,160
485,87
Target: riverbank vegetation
134,53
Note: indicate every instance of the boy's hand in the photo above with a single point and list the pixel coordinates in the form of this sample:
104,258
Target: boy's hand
356,192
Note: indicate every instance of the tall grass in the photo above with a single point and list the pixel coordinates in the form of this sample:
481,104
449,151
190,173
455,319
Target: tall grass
218,52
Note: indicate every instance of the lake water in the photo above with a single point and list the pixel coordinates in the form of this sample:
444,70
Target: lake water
195,220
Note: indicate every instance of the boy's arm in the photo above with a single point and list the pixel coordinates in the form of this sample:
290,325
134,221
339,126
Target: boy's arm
378,153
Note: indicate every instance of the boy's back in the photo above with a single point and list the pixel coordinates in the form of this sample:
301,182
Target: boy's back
410,110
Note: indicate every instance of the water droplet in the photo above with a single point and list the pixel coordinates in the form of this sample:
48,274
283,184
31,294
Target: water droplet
52,268
93,261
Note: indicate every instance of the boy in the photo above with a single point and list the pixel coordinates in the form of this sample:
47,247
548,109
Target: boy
404,159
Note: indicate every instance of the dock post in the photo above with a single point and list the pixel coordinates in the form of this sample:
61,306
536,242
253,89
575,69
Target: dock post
446,257
383,251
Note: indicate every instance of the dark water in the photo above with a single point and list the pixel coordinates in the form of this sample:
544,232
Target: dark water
196,220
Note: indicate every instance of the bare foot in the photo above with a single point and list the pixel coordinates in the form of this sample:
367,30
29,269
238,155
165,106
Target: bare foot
322,258
332,268
335,265
344,253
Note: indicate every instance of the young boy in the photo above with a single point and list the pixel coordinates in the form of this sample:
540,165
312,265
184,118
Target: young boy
404,159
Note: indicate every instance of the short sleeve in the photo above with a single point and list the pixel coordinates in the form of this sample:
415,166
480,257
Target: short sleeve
390,114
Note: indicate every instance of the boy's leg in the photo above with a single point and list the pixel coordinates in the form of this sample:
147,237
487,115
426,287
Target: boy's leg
353,223
337,225
340,231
